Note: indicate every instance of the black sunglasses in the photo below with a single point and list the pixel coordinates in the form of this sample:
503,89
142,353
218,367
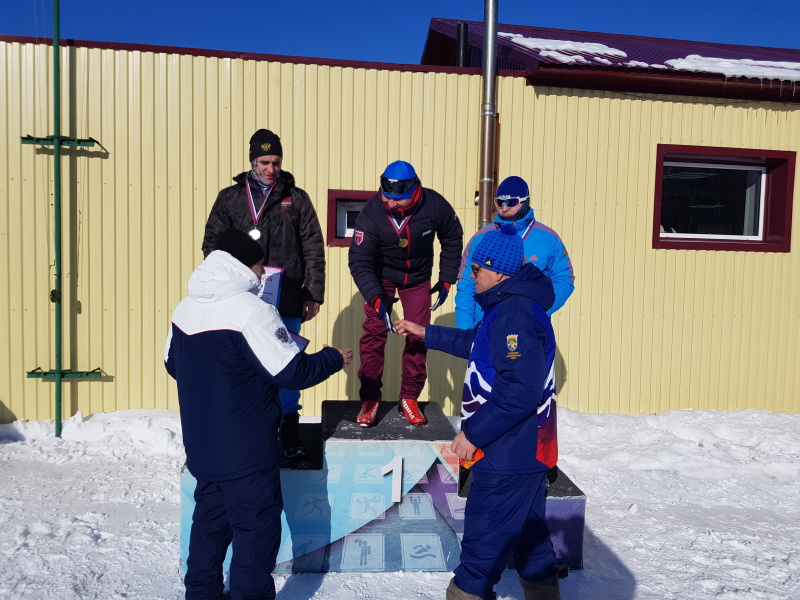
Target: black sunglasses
397,187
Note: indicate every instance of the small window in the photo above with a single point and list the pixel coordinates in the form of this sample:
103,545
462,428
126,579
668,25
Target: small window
343,209
723,199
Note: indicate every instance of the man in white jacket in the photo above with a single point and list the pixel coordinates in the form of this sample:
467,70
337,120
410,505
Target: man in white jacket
230,353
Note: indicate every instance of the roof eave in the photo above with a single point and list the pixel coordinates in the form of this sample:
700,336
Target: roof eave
659,82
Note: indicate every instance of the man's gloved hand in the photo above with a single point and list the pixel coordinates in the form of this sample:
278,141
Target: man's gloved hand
383,306
443,288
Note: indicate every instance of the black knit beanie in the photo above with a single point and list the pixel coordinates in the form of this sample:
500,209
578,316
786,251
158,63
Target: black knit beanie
241,246
264,142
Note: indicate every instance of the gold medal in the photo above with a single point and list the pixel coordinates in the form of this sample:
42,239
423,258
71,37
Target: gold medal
403,242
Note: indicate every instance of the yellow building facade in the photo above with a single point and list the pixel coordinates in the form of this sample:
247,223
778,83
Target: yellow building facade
646,330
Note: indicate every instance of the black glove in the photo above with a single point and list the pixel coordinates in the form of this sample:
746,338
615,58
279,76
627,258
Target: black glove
443,288
383,306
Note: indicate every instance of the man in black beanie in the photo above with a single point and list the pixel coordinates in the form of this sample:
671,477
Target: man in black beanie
265,204
230,353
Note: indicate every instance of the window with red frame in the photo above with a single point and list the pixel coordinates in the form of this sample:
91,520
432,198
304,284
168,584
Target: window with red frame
709,198
343,209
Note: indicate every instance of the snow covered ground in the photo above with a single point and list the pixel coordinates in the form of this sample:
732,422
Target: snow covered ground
684,505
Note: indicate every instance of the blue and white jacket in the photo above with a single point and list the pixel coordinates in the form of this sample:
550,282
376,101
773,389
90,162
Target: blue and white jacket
230,353
543,248
509,403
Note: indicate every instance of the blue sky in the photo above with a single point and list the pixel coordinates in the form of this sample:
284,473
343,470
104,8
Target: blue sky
388,31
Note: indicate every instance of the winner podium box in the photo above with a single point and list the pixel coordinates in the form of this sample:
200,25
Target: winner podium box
384,498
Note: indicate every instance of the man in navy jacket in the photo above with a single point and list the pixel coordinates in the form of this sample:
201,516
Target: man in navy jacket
508,421
230,353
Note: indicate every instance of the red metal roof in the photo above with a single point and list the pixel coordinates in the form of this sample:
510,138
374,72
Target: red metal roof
614,61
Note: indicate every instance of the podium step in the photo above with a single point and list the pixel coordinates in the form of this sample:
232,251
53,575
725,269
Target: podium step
339,423
385,498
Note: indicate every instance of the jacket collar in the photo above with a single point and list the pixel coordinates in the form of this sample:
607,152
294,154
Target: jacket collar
521,224
529,282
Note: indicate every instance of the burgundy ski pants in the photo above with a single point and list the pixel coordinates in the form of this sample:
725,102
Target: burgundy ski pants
416,302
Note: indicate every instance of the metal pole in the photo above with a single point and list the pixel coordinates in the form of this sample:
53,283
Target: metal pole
59,374
462,45
488,113
56,295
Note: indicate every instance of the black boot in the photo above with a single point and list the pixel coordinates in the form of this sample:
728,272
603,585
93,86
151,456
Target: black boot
290,436
546,589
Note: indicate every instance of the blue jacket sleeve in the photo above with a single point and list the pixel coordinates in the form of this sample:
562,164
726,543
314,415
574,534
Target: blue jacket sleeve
457,342
559,270
517,387
468,312
307,370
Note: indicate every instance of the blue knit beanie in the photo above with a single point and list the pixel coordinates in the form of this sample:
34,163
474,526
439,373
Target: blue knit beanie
514,187
500,250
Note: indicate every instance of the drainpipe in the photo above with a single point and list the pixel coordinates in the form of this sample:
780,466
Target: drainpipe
462,45
488,114
55,295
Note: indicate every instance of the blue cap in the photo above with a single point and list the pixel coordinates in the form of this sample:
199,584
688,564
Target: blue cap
399,180
500,250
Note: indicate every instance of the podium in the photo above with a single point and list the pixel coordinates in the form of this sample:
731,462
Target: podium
384,498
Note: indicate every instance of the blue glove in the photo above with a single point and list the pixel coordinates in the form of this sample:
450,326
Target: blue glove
383,306
443,288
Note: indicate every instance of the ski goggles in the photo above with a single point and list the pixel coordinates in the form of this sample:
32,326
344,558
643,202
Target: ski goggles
398,188
510,201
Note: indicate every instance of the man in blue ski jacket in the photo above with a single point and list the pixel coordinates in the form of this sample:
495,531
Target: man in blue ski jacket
508,421
230,353
542,246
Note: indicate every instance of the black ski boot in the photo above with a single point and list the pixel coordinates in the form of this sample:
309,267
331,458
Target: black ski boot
290,436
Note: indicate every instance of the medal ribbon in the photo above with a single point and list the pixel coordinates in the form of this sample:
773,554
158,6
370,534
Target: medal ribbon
253,214
398,228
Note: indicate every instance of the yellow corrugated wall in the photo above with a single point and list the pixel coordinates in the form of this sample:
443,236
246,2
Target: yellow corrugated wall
646,330
652,330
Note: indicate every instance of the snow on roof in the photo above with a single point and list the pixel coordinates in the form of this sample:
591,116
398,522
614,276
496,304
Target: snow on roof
535,48
572,52
753,69
549,45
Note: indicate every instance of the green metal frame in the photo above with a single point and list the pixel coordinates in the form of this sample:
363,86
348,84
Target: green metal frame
58,374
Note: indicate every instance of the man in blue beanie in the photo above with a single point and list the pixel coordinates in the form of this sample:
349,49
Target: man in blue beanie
508,420
542,247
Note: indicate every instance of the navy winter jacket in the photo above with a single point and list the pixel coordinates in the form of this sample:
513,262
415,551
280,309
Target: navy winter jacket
386,246
509,404
230,353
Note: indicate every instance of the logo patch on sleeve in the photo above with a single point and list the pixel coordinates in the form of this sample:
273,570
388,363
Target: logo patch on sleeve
282,335
358,236
512,343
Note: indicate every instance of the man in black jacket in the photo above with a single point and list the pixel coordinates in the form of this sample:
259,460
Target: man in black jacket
392,250
265,203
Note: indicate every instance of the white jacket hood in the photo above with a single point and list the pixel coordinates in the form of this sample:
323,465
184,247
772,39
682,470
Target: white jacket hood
221,276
